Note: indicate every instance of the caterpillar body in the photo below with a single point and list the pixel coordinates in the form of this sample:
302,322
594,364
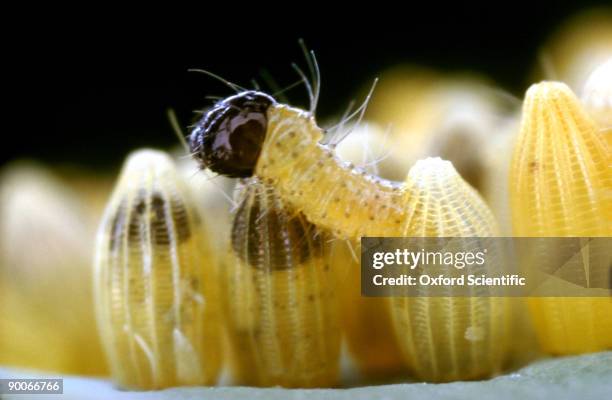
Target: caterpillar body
561,178
249,134
155,281
279,300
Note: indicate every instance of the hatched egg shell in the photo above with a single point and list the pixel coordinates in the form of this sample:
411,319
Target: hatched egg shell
449,338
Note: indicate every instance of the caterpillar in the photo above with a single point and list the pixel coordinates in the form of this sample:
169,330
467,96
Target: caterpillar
561,182
250,134
278,295
155,288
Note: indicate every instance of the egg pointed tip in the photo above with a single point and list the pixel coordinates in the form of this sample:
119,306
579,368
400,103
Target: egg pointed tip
549,90
147,158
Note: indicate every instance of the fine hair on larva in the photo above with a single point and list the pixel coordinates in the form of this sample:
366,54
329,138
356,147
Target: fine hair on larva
155,287
250,135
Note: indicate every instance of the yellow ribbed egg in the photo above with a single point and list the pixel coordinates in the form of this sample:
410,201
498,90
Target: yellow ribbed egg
561,185
449,338
304,173
155,285
279,300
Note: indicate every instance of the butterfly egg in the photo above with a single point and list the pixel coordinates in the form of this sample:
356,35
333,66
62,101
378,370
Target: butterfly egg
279,300
281,146
450,338
155,286
46,301
597,99
561,184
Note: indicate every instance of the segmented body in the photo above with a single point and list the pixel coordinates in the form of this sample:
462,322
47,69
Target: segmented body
280,305
155,281
433,201
331,193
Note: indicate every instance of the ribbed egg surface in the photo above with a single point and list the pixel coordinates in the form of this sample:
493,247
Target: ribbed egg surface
279,296
561,185
155,281
450,338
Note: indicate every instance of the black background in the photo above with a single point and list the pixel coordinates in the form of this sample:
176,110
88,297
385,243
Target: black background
88,93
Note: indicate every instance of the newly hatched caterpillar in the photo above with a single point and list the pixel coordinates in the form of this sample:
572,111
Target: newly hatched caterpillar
250,134
279,300
155,281
561,183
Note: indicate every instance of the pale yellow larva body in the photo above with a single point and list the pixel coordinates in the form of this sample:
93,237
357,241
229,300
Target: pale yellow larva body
313,180
353,204
279,301
156,293
561,185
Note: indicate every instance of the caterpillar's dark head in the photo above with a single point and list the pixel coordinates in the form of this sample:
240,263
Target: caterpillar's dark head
229,138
